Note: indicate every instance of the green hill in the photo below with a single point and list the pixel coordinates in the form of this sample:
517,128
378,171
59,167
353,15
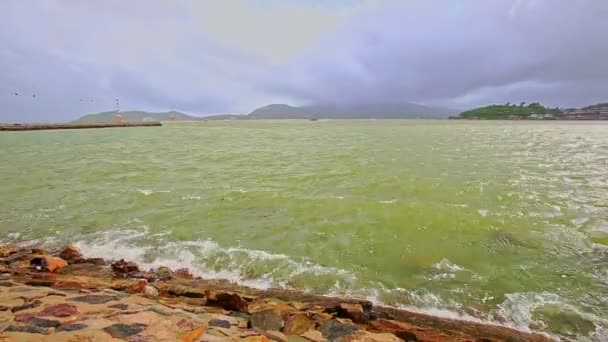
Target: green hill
352,111
134,116
497,112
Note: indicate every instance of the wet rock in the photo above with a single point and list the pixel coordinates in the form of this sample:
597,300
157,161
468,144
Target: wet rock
160,310
87,269
352,311
188,292
94,299
313,335
138,286
32,329
96,261
364,336
268,319
41,282
227,300
43,322
239,314
6,251
164,273
59,310
119,306
275,336
298,324
150,291
400,329
256,339
121,267
29,305
120,330
69,285
6,284
406,335
71,254
4,308
193,334
47,263
334,329
71,327
219,323
37,250
56,293
18,256
183,273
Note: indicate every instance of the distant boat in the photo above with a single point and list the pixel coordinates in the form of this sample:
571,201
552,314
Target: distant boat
314,119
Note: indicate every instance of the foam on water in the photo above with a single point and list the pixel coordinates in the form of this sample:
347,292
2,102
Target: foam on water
206,258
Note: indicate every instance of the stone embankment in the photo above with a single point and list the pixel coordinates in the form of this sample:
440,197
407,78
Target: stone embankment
37,127
64,296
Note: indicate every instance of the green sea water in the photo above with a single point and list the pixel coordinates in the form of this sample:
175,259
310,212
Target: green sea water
495,221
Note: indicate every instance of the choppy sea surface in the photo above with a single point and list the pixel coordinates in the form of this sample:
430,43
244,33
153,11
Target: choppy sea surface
503,222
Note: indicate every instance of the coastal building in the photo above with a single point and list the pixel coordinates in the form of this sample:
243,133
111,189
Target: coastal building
590,113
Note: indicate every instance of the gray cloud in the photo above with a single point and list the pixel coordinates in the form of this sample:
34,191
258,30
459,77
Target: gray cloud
233,55
460,54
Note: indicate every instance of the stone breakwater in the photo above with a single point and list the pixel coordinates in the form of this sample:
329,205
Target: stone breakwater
38,127
64,296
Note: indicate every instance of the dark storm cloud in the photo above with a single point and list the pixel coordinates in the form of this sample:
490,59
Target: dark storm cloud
233,55
460,53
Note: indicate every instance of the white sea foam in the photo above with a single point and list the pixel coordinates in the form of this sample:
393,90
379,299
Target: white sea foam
483,212
191,197
206,258
447,265
149,192
388,201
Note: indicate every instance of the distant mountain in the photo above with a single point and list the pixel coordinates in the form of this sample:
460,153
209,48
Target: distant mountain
225,117
358,111
134,116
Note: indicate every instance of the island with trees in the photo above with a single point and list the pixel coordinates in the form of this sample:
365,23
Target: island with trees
535,111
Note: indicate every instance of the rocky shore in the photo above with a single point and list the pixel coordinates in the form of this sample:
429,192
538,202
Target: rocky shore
63,296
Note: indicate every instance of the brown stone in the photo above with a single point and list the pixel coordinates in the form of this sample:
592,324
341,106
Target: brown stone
352,311
314,336
121,267
268,319
47,263
275,336
123,331
298,324
227,300
138,286
28,305
16,256
94,299
365,336
69,285
150,291
70,254
86,269
334,329
59,310
256,339
164,273
188,292
6,251
192,335
183,273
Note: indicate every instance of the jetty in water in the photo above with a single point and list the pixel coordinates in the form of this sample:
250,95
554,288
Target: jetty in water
36,127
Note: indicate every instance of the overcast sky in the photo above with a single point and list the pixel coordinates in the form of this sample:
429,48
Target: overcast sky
231,56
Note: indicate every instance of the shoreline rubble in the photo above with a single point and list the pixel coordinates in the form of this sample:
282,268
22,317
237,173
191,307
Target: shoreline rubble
64,296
